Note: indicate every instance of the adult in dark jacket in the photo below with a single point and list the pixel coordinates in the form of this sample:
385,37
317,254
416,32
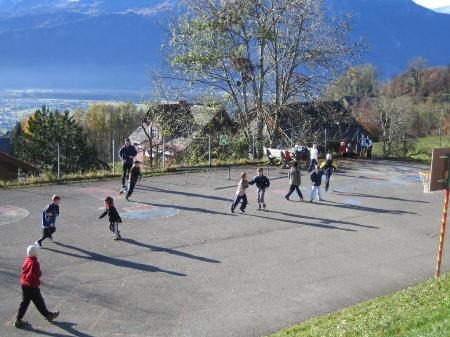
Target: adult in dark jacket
295,179
30,281
127,153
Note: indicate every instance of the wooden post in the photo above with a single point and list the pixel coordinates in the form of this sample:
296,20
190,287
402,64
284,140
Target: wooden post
442,235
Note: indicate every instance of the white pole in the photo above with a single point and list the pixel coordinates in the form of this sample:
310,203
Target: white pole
325,140
113,157
164,154
59,167
253,148
209,150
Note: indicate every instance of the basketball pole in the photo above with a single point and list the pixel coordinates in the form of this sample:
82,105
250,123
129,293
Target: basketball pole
442,235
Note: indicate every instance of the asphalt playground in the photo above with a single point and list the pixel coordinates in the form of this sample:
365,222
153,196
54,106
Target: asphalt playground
187,267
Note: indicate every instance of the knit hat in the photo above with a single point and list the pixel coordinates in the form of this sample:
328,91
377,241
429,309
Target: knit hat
32,250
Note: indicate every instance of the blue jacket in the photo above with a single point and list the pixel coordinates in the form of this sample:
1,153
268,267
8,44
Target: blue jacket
125,152
261,182
316,177
49,215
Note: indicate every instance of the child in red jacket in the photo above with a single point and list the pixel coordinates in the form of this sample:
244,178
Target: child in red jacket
30,281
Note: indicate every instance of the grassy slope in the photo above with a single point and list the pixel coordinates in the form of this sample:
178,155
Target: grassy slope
420,311
425,143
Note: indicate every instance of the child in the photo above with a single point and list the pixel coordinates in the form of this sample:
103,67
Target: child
114,217
135,174
316,179
241,194
313,157
49,215
295,179
30,281
262,182
328,167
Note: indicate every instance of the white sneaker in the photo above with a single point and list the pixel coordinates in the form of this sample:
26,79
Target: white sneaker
37,244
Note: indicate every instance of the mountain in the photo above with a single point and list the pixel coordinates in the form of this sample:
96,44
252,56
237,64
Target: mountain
397,31
80,44
115,44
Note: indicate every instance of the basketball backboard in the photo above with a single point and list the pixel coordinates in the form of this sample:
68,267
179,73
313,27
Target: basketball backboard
439,169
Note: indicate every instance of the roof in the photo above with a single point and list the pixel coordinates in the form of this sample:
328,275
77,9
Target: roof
10,165
202,115
5,144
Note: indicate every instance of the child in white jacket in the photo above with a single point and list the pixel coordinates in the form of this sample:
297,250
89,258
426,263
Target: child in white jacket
241,194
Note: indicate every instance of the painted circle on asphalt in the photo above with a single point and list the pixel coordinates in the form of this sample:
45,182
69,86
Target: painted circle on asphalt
143,212
10,214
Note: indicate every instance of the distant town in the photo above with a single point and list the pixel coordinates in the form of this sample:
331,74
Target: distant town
17,104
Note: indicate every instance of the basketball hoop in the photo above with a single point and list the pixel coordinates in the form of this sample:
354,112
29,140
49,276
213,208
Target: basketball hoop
425,177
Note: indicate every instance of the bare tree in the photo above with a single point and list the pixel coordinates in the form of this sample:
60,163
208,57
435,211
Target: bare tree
258,51
393,117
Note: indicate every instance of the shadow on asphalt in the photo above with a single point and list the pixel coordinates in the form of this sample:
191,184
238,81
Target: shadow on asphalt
66,326
187,194
362,195
170,251
92,256
329,203
185,208
324,220
300,222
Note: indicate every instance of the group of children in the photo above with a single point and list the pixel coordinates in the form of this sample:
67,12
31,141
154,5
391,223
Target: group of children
262,183
316,172
31,272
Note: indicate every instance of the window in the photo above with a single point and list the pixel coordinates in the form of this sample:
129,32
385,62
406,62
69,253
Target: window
154,133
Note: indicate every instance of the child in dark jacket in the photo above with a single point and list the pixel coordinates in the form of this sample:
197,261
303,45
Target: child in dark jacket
30,281
316,180
114,217
262,183
49,215
135,174
295,179
328,167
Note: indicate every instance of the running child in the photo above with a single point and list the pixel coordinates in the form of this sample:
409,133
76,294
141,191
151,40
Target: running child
30,282
135,174
316,180
49,215
328,167
295,179
241,194
114,217
262,183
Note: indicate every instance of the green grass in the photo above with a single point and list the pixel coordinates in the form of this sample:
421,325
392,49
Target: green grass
420,311
424,145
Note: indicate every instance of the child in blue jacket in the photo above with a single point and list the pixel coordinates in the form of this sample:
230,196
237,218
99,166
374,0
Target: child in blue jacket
262,183
49,215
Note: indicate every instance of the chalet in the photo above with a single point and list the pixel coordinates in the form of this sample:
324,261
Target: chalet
204,121
308,122
11,167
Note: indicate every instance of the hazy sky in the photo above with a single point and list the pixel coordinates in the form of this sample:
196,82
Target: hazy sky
433,3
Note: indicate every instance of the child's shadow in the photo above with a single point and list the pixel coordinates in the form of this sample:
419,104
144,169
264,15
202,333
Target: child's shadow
66,326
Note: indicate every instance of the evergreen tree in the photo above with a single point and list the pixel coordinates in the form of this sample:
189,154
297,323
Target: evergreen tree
45,130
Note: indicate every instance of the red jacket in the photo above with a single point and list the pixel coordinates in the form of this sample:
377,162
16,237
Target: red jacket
31,272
